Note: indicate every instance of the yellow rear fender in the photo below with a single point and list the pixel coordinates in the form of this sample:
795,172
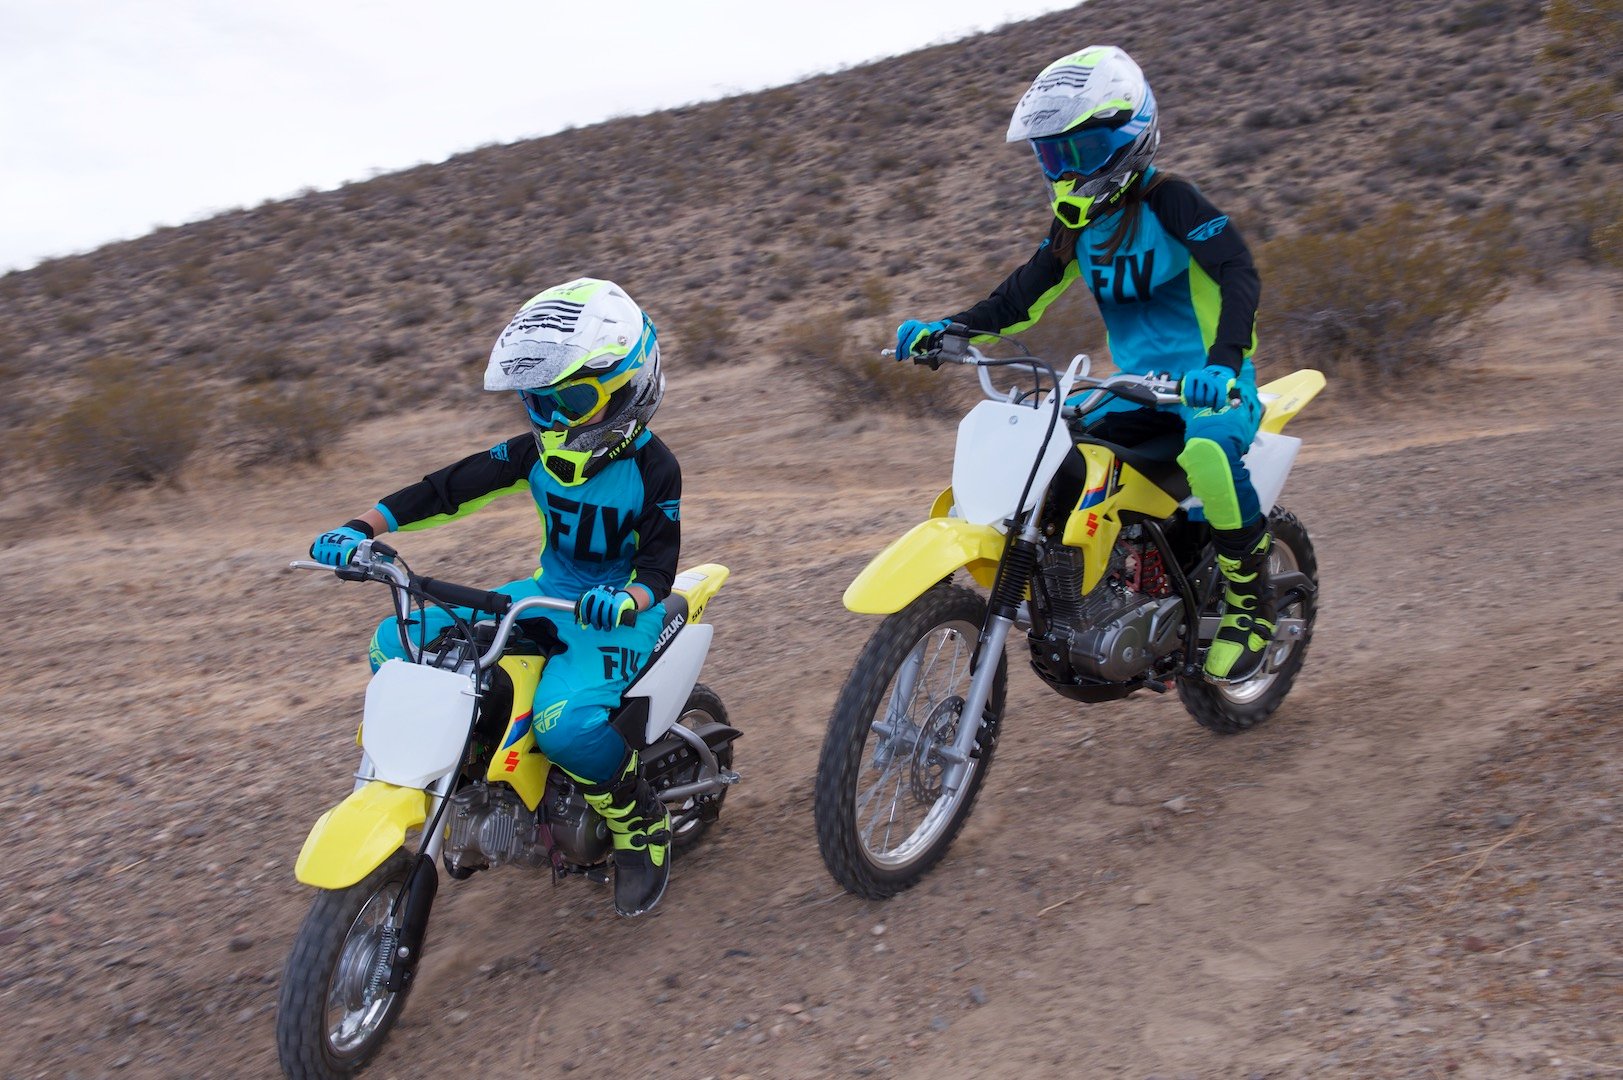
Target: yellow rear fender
1288,395
920,557
698,585
353,838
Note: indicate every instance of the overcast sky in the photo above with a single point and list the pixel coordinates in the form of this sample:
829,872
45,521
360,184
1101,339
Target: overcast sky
118,116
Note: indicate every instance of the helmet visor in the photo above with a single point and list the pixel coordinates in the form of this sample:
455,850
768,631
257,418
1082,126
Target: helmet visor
564,406
1080,153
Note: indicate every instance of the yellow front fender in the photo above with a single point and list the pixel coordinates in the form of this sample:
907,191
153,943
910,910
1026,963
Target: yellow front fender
922,556
353,838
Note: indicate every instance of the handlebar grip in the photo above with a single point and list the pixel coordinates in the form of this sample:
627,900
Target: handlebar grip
1141,395
494,603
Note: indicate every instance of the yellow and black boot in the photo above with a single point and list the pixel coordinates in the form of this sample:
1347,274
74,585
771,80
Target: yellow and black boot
641,829
1248,623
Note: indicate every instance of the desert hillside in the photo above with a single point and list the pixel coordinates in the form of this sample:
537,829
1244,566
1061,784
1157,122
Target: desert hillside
1411,870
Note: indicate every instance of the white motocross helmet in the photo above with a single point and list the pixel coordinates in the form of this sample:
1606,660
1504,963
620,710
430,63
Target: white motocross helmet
585,361
1093,123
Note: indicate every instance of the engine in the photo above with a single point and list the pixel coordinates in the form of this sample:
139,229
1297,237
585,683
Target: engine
1117,632
487,826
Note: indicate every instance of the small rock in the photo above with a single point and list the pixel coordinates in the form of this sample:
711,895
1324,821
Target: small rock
673,980
791,1008
1123,796
194,832
939,1023
977,995
245,1016
879,947
1472,943
1505,821
240,944
878,929
1178,804
1143,897
457,1016
737,952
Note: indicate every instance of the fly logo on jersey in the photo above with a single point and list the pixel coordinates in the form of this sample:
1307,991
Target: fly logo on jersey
591,533
1113,277
671,508
1209,229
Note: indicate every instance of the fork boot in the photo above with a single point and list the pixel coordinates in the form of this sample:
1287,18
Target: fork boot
641,830
1248,623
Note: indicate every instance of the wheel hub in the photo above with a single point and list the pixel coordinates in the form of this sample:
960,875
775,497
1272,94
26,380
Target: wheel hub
939,729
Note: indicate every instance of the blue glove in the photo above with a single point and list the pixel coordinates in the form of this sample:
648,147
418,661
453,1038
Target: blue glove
914,336
602,608
1208,387
337,547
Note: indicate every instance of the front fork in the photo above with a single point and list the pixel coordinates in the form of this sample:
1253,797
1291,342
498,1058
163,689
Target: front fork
402,944
989,654
1015,573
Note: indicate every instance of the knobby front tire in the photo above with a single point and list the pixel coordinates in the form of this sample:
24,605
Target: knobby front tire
883,820
327,1024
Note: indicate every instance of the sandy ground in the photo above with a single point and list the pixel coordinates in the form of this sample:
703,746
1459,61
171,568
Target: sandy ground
1411,870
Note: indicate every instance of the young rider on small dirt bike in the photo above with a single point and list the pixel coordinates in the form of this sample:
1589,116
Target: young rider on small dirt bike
585,361
1178,294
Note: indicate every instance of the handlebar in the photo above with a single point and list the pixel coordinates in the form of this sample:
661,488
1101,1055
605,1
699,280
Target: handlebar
374,561
1149,390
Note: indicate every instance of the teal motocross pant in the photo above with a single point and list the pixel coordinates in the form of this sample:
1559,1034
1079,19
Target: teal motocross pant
579,686
1213,455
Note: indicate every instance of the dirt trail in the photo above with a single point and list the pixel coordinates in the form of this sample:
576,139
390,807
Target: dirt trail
177,725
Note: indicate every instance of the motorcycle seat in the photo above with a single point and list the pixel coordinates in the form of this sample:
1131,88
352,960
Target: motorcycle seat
1155,457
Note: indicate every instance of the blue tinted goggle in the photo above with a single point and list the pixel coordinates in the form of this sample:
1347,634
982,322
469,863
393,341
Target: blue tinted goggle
567,405
1079,153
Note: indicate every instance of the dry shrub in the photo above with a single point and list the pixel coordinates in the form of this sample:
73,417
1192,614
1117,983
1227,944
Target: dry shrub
843,361
132,427
296,423
1600,217
1385,297
704,334
1586,57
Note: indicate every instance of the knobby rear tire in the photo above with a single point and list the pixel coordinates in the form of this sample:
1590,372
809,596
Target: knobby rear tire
689,829
1231,709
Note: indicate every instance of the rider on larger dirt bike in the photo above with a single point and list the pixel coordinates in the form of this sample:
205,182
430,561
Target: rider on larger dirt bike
584,359
1178,294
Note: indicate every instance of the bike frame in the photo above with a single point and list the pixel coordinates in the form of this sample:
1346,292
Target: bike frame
953,539
390,799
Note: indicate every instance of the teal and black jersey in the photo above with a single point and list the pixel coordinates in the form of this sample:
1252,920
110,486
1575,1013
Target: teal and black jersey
619,526
1178,292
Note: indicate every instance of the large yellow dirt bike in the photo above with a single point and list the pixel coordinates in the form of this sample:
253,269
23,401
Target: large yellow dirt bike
1089,548
450,772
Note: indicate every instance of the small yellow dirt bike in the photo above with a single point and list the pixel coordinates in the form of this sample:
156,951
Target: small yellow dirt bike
450,767
1087,546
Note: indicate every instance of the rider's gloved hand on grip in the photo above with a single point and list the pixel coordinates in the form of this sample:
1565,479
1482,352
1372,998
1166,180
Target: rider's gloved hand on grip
603,608
336,547
914,336
1208,387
